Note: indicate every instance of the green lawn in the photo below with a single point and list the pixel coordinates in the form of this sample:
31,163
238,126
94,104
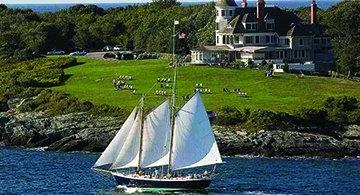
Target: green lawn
92,80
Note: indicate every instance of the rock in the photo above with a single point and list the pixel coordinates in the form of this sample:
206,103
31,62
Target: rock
353,132
285,144
59,144
77,132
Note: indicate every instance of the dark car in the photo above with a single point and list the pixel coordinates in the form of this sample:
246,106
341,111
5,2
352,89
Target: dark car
109,55
56,52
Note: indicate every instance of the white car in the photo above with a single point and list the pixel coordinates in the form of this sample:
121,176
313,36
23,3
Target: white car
78,53
118,48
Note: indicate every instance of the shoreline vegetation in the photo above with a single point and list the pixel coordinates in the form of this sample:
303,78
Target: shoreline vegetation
41,107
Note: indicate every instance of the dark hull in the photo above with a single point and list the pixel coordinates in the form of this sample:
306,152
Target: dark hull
190,184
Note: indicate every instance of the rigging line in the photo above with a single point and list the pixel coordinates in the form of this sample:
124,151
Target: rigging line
157,82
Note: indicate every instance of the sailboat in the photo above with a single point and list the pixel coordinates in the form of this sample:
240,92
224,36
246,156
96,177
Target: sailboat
168,137
154,142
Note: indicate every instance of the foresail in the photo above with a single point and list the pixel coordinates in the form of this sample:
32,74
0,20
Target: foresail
194,143
129,154
156,139
112,151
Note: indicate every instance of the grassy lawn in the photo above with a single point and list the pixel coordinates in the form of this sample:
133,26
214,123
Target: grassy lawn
92,80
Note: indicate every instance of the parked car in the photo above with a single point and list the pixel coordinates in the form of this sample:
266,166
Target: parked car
109,55
108,48
118,48
124,55
78,53
56,52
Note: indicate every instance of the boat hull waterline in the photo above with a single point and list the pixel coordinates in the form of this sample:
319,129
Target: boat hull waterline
164,184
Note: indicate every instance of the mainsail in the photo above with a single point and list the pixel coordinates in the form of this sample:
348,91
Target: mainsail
112,151
129,154
156,137
194,143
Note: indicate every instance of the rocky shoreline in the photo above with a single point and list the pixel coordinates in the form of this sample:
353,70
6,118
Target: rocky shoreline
80,132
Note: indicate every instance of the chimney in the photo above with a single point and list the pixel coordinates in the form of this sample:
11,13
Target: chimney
244,4
261,13
313,12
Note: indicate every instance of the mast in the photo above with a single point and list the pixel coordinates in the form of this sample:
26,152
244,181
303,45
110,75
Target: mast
141,131
173,107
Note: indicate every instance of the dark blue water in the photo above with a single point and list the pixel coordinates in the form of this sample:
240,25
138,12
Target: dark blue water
37,172
324,4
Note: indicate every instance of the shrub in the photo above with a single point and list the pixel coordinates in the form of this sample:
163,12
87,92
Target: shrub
313,117
229,116
344,103
286,67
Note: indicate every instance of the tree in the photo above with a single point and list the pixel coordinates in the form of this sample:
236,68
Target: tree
164,3
343,25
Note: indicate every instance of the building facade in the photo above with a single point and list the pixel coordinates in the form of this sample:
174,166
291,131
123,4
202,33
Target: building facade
265,33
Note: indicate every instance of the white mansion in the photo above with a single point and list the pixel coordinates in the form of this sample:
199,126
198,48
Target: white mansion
265,33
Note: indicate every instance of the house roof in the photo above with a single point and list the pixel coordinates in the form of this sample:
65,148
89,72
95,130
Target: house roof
283,20
225,3
249,17
213,48
301,29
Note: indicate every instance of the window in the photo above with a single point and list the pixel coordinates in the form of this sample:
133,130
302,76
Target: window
272,39
248,40
248,26
217,39
201,56
217,26
269,26
303,53
267,39
301,42
296,52
281,54
197,57
316,41
257,39
223,40
254,26
222,12
231,39
230,12
237,39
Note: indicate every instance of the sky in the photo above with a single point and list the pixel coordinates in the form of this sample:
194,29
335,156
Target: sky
78,1
90,1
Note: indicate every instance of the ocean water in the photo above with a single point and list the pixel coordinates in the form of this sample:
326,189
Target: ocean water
323,4
37,172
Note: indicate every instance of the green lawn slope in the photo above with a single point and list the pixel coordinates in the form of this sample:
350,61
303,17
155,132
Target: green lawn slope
92,80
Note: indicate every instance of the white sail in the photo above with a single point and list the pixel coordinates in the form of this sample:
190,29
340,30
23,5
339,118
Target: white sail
129,154
194,143
156,137
112,151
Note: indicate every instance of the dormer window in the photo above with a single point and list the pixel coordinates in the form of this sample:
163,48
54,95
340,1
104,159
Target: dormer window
270,26
251,26
254,26
230,12
223,13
